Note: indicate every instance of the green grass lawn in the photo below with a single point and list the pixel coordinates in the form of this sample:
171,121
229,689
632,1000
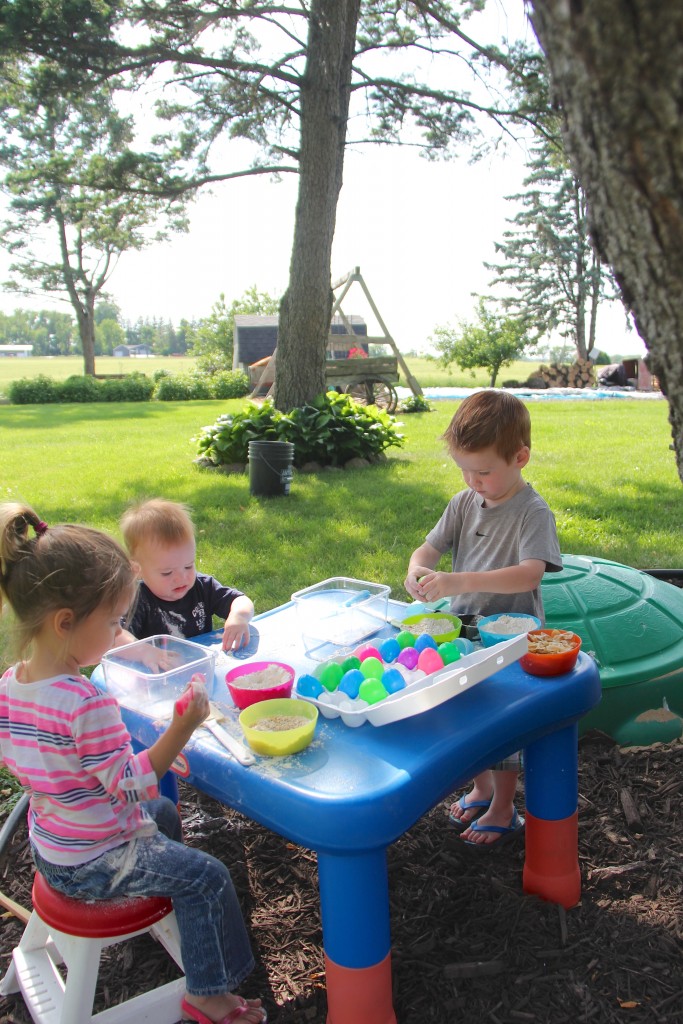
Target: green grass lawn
604,467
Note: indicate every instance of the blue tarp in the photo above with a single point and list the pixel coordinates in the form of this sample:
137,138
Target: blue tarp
539,394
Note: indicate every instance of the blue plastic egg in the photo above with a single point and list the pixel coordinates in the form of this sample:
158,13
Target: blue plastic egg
389,649
393,681
350,682
423,641
308,686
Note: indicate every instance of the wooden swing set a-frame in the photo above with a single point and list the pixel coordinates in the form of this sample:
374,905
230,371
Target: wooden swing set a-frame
369,380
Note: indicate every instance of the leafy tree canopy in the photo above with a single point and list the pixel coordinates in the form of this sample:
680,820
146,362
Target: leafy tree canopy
491,341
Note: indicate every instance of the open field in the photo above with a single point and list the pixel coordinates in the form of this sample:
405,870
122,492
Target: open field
428,372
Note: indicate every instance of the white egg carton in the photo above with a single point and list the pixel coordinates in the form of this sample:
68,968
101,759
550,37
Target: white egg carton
429,691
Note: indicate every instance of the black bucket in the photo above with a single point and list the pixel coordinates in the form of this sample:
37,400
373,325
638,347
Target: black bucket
270,467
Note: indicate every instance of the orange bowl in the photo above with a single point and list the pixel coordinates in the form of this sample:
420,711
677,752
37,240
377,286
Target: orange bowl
546,663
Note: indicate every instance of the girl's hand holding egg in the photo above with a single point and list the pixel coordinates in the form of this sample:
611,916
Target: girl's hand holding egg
194,703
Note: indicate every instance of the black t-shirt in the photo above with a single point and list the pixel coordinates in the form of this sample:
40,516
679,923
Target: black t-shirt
188,617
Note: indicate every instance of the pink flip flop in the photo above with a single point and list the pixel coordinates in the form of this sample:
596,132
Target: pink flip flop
195,1014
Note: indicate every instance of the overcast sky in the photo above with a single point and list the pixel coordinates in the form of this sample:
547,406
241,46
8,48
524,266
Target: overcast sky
419,231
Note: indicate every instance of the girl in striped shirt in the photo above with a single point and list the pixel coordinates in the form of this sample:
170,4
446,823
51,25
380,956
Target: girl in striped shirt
97,826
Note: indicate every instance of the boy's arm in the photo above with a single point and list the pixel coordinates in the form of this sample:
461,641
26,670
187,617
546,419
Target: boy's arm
236,628
513,579
422,561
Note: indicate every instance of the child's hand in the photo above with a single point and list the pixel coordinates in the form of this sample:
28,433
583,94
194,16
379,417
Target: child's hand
412,581
157,660
435,585
235,635
193,705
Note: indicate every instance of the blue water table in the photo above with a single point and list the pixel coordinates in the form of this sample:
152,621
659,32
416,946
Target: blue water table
356,790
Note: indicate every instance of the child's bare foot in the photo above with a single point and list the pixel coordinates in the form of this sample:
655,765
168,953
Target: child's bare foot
223,1009
493,826
468,807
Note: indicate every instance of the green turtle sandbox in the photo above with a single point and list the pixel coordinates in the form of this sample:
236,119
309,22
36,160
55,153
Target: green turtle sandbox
632,624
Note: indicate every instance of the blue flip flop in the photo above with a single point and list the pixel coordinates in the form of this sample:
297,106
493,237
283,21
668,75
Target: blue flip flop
515,827
464,805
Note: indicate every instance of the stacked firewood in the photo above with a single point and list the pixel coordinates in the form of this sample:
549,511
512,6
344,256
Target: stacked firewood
580,374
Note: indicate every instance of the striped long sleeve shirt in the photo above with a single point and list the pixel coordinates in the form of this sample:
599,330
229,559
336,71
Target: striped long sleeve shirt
66,743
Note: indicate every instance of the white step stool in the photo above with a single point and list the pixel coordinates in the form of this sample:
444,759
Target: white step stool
74,932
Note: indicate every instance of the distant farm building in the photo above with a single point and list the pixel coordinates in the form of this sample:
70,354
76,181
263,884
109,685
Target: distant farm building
255,338
134,351
16,351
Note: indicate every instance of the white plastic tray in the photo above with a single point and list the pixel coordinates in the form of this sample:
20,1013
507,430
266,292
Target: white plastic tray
430,691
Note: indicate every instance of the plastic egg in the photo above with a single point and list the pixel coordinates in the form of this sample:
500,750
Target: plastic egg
430,661
372,667
350,682
389,649
369,652
372,690
351,662
393,681
405,639
331,675
450,652
408,657
423,641
308,686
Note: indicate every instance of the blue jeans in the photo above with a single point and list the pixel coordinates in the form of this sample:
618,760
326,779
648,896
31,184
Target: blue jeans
214,943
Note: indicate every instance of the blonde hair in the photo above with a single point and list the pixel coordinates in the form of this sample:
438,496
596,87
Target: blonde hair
63,566
156,521
489,419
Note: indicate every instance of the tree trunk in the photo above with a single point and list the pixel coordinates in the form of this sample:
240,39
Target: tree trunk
85,316
306,306
615,71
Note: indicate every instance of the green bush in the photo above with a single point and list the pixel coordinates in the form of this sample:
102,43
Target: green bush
135,387
416,403
38,390
229,384
79,389
330,430
185,387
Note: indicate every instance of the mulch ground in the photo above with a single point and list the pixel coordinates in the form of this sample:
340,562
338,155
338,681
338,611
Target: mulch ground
468,945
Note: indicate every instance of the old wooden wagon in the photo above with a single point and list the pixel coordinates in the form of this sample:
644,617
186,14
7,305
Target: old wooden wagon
369,379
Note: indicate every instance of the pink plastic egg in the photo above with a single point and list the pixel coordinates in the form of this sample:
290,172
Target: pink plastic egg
429,660
369,652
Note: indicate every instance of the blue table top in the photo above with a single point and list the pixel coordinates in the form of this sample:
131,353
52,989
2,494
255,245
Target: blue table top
361,788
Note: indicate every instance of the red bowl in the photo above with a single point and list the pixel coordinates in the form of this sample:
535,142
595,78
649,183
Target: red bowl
245,695
544,664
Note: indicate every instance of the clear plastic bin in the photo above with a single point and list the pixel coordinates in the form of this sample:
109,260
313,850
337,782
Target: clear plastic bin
149,675
339,613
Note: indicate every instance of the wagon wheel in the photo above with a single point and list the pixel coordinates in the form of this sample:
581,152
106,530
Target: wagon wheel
374,392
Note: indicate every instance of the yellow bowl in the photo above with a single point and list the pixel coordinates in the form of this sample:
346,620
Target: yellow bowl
275,742
440,638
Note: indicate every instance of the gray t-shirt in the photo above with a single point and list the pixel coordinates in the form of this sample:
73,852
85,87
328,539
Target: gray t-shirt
484,538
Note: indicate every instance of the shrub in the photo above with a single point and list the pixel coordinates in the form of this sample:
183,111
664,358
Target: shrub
183,387
416,403
330,430
227,440
38,390
135,387
79,389
229,384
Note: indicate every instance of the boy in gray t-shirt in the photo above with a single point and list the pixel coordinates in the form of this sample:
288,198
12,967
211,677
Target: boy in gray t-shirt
502,536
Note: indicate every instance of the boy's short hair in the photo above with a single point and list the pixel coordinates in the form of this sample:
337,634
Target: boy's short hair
156,521
489,419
